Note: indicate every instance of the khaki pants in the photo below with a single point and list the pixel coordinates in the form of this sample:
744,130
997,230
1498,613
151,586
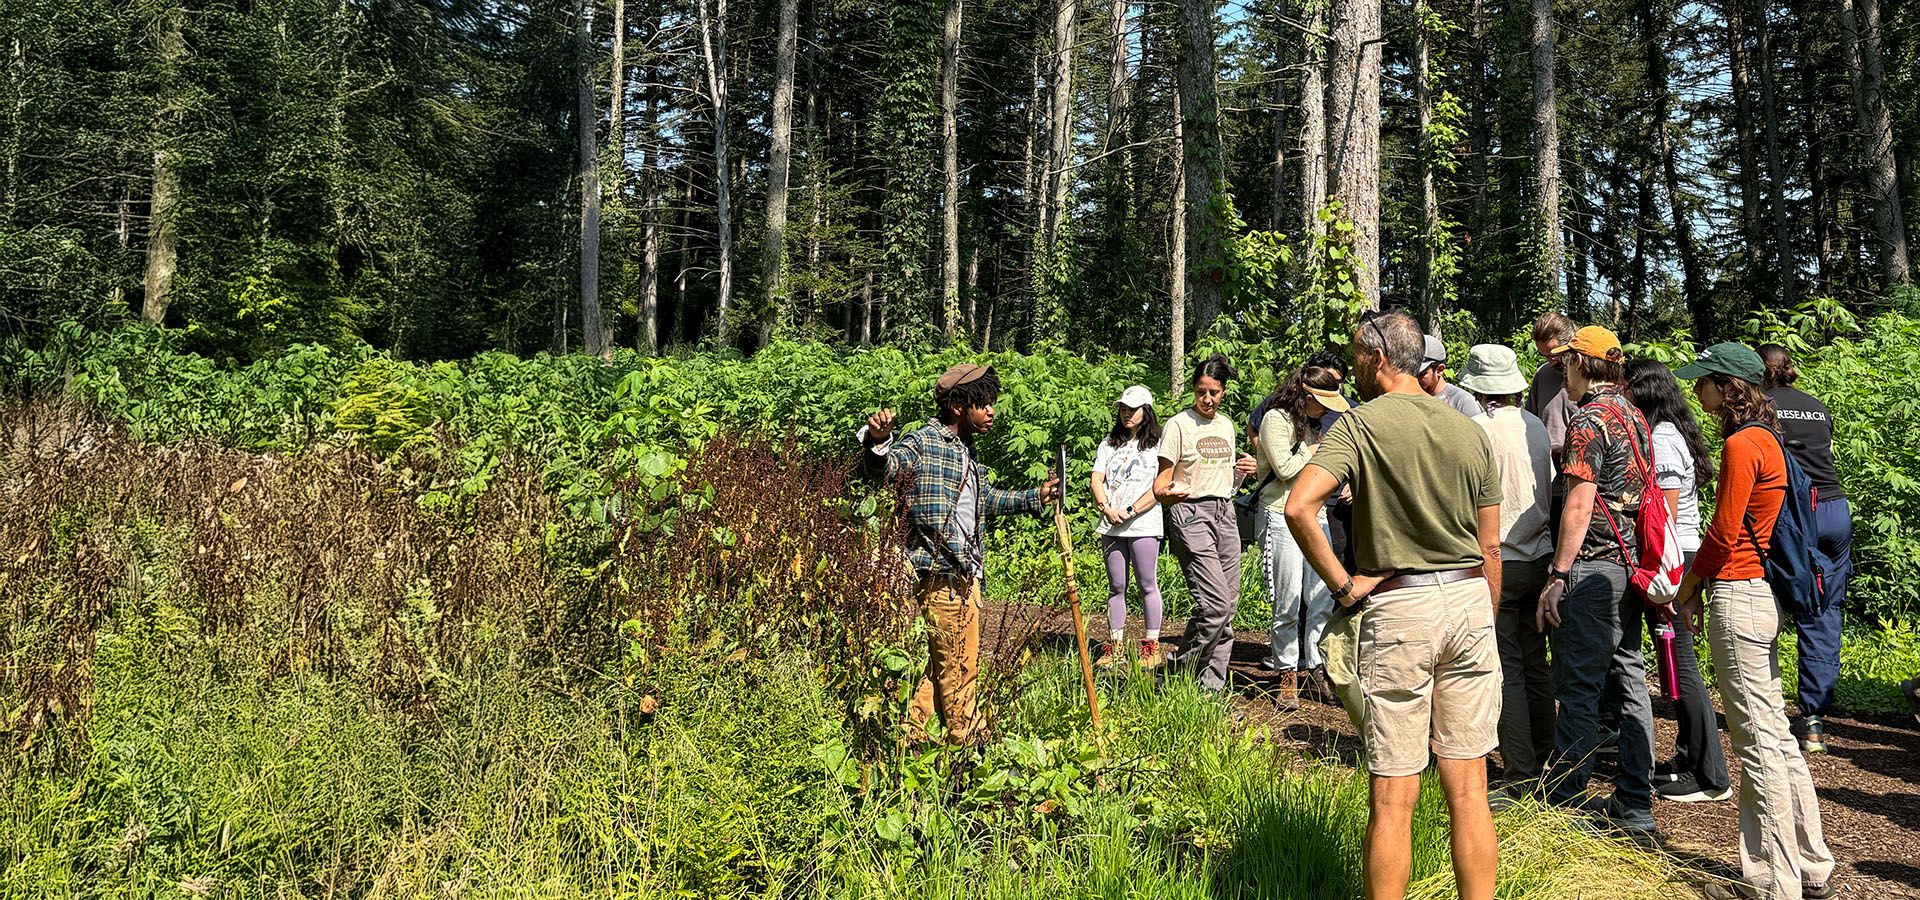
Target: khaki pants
1781,845
951,606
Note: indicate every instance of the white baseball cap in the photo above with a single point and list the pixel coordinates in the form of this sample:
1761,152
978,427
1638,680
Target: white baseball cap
1136,396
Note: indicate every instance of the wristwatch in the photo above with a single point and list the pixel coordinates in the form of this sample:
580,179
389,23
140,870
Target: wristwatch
1560,575
1341,593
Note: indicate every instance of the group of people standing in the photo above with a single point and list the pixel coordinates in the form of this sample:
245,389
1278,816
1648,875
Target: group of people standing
1476,542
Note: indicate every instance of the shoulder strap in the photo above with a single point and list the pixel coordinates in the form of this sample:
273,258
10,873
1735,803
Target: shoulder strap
1640,461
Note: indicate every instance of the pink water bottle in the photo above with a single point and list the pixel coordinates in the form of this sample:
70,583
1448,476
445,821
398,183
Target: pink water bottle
1669,668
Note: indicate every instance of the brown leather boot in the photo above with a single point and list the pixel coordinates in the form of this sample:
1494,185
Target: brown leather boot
1289,698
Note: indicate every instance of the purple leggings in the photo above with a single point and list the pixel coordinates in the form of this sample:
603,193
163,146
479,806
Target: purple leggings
1143,553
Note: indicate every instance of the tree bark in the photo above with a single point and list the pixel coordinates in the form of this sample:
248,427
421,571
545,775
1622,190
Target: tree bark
950,159
1313,122
593,336
1429,195
1277,202
779,164
1060,117
1118,75
1861,21
617,101
1353,114
1693,278
647,331
163,210
1177,257
1546,147
713,44
1786,265
1200,151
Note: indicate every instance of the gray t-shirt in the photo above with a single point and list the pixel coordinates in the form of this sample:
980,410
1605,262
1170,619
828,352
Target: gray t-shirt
1461,400
966,523
1673,467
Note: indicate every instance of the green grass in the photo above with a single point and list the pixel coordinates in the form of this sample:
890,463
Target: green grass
200,782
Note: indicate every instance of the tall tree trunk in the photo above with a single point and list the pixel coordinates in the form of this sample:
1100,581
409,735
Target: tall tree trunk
1861,21
647,332
617,102
1276,211
1177,256
1786,266
1033,183
1118,75
1313,122
593,336
1750,201
972,323
681,314
866,309
162,229
1200,151
1353,114
1693,278
713,44
950,164
1429,194
1546,146
1060,116
779,163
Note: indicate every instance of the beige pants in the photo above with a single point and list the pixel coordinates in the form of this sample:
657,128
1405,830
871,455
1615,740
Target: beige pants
951,606
1781,846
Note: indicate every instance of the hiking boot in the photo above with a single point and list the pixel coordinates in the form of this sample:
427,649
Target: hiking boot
1608,813
1152,655
1289,698
1109,658
1687,789
1911,688
1813,738
1317,686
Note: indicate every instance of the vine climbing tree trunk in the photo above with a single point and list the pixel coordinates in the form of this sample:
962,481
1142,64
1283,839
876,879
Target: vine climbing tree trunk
1177,258
779,164
713,45
162,204
1860,19
593,336
1353,115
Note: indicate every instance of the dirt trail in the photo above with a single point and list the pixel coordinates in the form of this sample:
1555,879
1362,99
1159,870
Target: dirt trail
1869,780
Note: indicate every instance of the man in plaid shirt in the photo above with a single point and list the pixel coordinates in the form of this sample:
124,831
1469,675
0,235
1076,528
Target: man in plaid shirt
946,498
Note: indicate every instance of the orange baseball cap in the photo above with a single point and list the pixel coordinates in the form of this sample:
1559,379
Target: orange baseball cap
1596,342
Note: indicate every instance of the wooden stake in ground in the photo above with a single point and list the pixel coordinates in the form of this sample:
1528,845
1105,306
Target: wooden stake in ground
1073,590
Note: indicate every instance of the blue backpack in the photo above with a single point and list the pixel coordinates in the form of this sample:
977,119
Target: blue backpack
1796,569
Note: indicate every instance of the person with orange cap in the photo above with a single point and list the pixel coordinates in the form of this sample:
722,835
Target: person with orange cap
946,498
1596,620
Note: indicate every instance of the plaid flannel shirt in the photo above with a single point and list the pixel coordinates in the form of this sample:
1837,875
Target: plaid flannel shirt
928,465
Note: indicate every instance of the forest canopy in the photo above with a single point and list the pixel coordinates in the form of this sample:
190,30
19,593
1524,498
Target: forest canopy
444,177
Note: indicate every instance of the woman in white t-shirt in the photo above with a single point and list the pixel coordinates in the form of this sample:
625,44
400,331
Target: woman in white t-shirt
1289,433
1681,462
1131,526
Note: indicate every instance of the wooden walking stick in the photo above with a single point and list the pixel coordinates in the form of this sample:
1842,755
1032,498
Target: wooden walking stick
1065,540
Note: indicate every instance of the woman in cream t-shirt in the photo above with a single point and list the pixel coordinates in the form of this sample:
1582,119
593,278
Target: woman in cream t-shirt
1198,473
1289,433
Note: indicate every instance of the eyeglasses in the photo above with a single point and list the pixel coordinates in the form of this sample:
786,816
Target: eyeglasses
1371,319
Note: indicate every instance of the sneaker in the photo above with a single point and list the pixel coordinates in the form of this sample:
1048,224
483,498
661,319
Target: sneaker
1152,655
1718,891
1665,772
1911,688
1108,657
1812,736
1687,789
1271,663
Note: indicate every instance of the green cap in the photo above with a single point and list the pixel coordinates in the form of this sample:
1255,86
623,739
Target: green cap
1732,359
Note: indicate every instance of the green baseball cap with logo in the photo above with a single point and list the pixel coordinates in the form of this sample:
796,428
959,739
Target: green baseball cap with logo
1734,360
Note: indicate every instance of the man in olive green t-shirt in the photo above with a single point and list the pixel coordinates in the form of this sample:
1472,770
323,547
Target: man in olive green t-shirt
1426,531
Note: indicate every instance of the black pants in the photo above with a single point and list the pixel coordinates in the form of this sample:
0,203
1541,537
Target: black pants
1696,750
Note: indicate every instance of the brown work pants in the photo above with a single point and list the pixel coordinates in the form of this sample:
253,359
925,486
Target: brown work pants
951,606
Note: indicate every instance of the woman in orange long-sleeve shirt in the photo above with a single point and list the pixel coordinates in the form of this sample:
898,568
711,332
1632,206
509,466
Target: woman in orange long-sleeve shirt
1783,855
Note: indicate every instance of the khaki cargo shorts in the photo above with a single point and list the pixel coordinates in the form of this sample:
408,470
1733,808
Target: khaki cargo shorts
1428,676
